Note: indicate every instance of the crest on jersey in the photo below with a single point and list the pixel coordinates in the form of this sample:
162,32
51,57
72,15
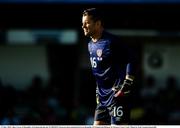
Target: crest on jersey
99,52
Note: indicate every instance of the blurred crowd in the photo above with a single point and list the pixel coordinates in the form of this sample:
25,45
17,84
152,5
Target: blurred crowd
44,105
157,105
38,105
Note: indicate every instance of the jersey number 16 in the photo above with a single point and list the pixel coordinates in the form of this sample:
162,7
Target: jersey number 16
93,62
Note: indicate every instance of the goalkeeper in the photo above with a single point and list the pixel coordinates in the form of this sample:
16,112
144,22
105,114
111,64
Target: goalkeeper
113,65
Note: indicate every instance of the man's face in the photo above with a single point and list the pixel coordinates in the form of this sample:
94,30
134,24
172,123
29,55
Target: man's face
88,25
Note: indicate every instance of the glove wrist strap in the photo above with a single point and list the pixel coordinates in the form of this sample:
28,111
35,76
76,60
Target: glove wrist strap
130,77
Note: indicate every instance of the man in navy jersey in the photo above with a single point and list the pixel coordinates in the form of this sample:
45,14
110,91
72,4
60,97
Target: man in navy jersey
113,65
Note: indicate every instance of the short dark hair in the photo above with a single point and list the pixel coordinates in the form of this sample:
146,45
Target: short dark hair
95,13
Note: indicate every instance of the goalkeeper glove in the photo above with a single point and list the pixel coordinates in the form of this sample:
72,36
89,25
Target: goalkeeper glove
123,89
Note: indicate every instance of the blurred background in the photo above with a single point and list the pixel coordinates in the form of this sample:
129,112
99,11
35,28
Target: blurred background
45,73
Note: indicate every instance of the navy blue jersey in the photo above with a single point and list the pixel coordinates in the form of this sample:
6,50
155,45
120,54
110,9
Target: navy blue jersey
111,60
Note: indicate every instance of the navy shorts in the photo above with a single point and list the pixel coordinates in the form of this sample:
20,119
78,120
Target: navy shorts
117,113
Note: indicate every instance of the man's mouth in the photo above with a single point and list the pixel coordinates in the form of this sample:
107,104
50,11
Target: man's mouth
86,31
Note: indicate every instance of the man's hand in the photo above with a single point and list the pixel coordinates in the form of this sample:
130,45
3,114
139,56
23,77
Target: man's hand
123,89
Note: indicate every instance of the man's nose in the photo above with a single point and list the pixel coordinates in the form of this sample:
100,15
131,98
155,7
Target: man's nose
82,26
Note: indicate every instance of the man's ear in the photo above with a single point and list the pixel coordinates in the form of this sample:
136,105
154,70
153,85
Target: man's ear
98,23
